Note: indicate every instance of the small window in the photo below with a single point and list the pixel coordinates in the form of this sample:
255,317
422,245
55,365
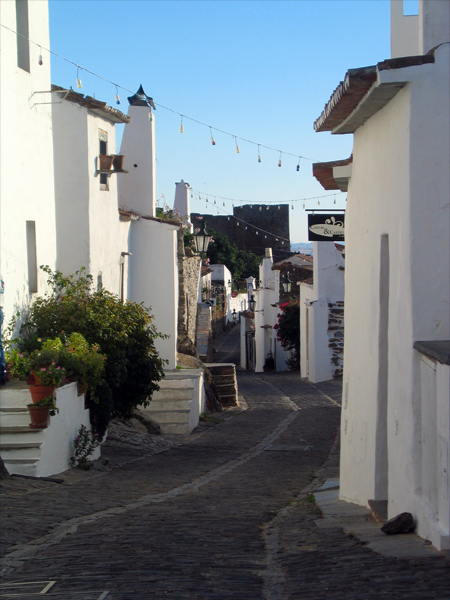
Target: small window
103,149
23,45
32,257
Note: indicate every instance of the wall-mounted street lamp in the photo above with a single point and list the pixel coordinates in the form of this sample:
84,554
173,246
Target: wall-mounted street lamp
286,283
234,316
201,240
252,303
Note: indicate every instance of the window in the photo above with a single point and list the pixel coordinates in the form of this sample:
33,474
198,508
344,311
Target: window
103,149
23,45
32,257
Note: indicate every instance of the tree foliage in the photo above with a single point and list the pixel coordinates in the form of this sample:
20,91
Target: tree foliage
241,264
123,331
288,331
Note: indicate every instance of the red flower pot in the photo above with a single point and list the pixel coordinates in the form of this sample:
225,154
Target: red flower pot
38,392
39,416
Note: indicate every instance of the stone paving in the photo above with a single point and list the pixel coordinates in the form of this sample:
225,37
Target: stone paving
225,513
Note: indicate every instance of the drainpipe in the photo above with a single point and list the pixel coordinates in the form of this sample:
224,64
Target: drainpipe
122,273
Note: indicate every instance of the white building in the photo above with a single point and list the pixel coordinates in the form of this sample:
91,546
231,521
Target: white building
395,417
322,315
267,297
27,206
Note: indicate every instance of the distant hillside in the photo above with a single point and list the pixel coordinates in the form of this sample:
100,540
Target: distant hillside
302,247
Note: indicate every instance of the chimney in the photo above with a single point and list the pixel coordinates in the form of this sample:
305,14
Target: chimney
182,204
137,189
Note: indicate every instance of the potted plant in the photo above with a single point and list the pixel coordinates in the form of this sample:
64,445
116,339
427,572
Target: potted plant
40,412
269,363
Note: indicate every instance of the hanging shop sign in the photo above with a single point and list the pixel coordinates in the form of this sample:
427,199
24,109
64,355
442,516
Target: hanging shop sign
326,227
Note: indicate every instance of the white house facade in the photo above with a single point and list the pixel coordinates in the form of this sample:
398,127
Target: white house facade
395,412
27,207
322,315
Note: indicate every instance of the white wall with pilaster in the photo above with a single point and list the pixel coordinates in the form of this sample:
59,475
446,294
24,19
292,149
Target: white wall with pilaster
26,159
398,204
153,279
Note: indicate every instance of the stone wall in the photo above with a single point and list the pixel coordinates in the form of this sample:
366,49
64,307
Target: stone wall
336,336
188,276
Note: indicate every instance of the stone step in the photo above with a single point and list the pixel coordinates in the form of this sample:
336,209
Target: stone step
176,394
14,417
176,383
173,416
223,379
24,438
158,405
175,428
21,466
220,369
225,389
14,395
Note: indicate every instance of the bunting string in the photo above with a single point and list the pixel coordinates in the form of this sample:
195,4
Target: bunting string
116,86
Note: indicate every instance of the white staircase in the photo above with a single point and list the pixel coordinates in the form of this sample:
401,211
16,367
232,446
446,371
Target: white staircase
177,406
19,445
39,452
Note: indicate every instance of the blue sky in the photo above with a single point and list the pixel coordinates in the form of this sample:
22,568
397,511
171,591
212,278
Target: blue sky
259,70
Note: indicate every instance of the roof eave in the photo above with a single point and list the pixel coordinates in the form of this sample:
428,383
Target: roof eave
364,92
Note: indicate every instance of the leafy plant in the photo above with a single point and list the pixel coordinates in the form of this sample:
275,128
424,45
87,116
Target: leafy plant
288,331
18,364
46,366
124,332
84,445
47,401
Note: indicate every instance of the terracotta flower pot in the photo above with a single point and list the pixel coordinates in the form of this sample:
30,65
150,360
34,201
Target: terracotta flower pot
39,392
118,162
106,162
39,416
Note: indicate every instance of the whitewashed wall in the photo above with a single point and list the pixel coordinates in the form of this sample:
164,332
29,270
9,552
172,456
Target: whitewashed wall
266,317
137,192
328,287
89,233
153,279
397,286
26,160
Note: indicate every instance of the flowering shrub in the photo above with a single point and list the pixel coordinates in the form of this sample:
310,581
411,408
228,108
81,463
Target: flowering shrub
288,331
85,443
123,330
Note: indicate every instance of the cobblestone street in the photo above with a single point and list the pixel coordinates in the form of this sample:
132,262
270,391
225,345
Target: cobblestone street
224,513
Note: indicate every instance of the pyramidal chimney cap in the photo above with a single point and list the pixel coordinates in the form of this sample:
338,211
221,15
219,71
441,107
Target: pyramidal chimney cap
140,98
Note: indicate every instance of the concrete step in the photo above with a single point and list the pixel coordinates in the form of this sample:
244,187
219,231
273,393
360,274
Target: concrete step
175,416
14,395
172,395
157,405
22,438
14,417
21,466
175,429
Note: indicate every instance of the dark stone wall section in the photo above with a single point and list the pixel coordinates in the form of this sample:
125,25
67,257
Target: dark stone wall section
260,226
336,336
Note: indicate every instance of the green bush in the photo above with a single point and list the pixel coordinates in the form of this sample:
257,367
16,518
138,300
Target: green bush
123,332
